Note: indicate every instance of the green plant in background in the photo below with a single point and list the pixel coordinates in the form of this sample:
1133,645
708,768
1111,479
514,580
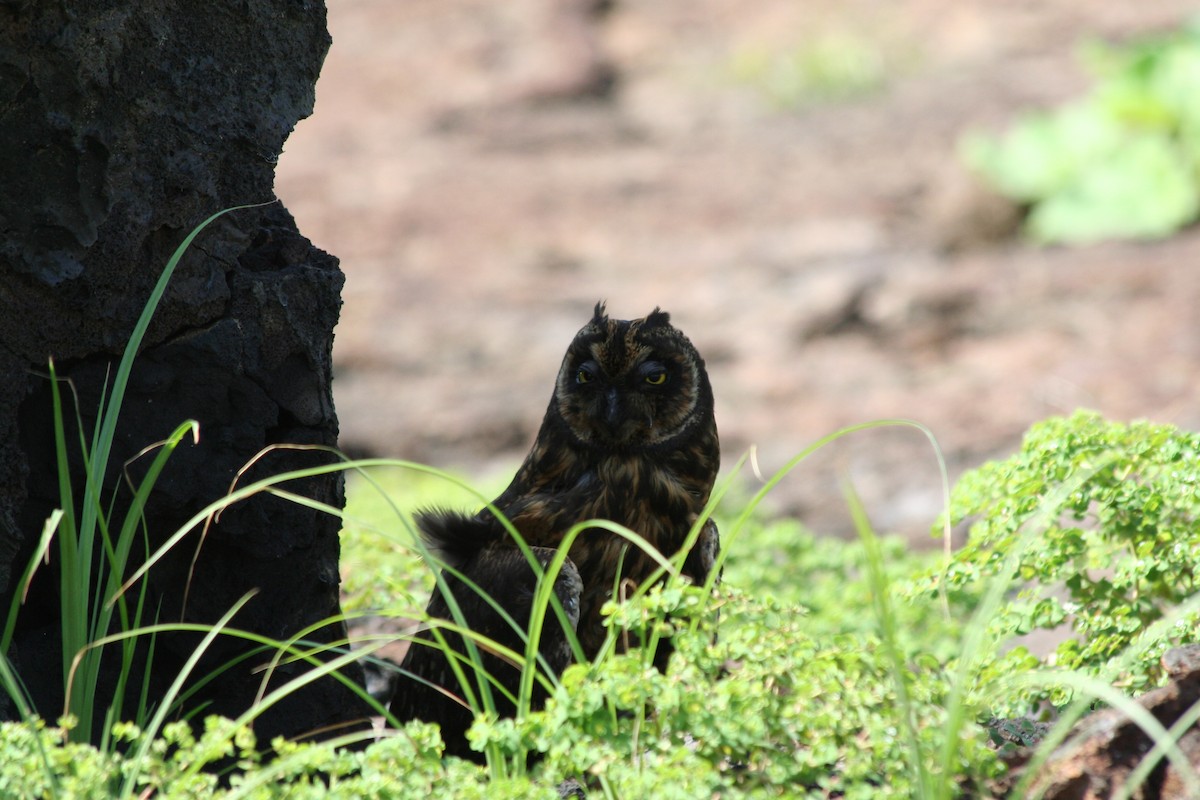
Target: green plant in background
1110,565
1121,163
382,569
825,67
829,580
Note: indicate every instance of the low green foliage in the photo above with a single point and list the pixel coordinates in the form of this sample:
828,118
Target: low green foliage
1110,565
1121,163
402,767
817,669
804,692
767,709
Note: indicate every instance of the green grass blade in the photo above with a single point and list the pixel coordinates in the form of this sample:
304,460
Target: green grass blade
1165,744
107,430
881,592
138,758
974,644
40,552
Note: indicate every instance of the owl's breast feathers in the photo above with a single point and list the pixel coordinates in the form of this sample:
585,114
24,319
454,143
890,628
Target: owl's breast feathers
655,491
658,494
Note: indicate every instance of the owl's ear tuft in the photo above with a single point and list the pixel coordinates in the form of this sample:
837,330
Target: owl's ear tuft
656,319
600,315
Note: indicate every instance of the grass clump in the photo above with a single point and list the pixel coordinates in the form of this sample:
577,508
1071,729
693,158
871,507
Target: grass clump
94,547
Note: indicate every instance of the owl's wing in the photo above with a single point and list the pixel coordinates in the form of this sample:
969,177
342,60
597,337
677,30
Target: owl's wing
427,688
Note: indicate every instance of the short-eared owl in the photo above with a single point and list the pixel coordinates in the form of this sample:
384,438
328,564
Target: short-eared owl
629,436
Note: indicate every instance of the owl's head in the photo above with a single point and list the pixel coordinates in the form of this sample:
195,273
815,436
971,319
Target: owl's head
627,384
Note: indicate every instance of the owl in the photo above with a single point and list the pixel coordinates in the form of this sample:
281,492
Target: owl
629,436
427,688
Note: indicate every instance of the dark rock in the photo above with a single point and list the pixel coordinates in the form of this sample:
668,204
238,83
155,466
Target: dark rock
1102,751
121,128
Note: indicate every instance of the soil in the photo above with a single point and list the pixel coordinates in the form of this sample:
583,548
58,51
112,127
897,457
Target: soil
487,171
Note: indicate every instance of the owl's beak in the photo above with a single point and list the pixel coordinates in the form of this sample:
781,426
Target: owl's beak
612,410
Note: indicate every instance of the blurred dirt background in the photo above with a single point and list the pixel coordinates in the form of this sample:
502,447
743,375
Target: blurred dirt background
781,176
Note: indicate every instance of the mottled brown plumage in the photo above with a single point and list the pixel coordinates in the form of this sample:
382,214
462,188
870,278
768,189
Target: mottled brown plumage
629,436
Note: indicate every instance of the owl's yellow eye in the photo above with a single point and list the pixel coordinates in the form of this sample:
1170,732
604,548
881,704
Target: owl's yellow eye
657,378
585,372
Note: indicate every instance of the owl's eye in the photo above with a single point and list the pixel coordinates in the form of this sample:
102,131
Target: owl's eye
653,373
586,373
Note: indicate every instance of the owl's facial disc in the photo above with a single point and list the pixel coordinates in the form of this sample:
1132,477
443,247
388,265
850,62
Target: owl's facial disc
622,400
626,384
